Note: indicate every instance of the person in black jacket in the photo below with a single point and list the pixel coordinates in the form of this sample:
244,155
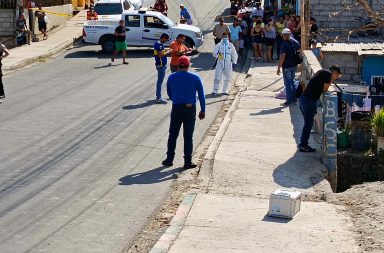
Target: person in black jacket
318,84
3,53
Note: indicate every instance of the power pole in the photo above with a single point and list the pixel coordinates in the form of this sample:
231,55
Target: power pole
303,25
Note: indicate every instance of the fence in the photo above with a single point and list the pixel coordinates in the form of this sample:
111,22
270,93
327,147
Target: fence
8,4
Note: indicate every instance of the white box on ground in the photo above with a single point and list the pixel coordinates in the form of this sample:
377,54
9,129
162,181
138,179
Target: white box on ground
284,203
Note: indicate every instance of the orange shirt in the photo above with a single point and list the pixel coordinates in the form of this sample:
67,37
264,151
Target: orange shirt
177,48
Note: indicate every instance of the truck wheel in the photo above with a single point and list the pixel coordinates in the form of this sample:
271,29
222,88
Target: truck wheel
189,42
108,45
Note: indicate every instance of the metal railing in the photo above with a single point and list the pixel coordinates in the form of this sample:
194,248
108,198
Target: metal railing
8,4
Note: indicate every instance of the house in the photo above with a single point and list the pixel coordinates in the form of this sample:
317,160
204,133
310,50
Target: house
360,62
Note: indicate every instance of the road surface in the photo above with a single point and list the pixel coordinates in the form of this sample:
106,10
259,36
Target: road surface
82,143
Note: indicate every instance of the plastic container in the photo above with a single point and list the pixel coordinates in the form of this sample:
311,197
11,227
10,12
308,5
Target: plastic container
284,203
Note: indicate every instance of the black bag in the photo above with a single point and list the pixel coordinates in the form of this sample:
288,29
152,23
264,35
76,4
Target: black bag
297,55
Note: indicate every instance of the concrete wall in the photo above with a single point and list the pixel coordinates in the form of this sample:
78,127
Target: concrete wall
54,20
7,22
349,63
320,10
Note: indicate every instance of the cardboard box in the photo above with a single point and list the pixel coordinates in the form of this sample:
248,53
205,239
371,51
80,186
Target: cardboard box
284,203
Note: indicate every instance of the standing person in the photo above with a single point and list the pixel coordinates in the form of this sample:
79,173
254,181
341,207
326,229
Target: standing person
92,14
161,6
161,64
297,30
226,55
181,88
279,36
41,20
291,24
21,27
31,4
235,32
316,50
3,53
219,29
184,14
269,40
318,84
120,43
287,62
178,50
314,28
257,35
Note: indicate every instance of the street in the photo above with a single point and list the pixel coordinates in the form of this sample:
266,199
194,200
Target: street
82,144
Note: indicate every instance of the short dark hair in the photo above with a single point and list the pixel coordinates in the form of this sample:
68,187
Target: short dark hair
164,35
334,68
180,35
312,19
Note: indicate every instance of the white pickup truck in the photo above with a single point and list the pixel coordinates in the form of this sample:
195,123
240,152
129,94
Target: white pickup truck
143,29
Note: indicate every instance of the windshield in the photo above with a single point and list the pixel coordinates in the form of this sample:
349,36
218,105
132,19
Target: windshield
166,20
108,8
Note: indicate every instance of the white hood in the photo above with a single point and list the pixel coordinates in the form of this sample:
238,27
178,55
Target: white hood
187,28
137,4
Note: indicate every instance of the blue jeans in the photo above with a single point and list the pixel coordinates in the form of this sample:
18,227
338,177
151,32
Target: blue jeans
186,116
290,89
160,78
308,108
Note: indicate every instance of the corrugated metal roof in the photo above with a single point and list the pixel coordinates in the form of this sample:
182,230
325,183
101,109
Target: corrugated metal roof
376,48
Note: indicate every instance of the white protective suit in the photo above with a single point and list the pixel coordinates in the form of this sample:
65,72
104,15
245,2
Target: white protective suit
226,56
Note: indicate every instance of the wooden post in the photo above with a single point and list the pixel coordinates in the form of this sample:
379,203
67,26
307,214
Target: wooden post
303,25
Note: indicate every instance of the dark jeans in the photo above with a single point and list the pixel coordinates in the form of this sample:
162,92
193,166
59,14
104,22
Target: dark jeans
174,68
182,115
1,82
308,108
289,83
160,78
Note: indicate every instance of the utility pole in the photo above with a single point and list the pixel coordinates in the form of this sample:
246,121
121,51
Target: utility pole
305,14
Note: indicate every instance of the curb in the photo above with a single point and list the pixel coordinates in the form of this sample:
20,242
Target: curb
176,225
67,43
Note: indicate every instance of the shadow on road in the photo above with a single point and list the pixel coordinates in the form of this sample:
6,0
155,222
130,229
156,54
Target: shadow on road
138,106
153,176
133,53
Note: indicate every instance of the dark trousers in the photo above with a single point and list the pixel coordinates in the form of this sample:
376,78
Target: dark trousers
182,115
1,82
308,108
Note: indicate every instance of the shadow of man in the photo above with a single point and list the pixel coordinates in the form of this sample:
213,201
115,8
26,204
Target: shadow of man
153,176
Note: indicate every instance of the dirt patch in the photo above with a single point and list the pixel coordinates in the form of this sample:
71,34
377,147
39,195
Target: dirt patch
365,204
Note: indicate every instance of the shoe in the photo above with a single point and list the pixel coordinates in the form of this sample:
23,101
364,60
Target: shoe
112,60
226,93
286,104
160,101
189,166
167,163
214,93
306,149
124,62
294,102
1,97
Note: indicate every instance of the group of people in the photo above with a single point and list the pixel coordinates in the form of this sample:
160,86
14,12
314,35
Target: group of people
24,34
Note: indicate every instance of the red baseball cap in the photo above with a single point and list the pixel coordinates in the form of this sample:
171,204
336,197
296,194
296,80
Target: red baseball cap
183,61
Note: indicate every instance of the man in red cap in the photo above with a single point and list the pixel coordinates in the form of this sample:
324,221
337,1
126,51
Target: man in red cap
182,87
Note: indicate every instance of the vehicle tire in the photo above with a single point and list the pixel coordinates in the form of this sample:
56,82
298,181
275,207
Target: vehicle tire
108,44
189,42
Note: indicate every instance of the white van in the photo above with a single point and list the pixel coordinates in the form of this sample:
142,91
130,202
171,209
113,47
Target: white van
112,9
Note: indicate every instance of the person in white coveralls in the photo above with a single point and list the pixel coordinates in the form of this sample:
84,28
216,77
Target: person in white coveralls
226,55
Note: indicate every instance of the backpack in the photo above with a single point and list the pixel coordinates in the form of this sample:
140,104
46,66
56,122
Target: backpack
297,55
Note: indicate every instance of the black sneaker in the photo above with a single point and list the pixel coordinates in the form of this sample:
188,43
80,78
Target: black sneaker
306,149
286,104
167,163
189,166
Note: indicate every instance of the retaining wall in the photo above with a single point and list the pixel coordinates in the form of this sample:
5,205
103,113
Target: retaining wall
7,22
349,63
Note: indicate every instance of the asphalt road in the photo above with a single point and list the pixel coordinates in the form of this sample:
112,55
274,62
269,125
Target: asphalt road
81,146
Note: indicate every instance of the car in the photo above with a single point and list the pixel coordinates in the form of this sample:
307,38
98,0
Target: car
143,28
112,9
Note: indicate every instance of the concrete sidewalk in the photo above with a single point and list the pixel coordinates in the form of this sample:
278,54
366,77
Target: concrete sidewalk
257,154
58,40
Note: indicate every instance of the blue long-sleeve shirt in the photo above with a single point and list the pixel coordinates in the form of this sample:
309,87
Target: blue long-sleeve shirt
185,14
182,87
